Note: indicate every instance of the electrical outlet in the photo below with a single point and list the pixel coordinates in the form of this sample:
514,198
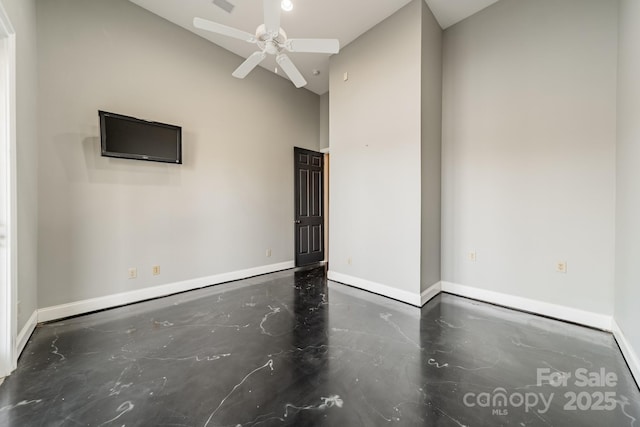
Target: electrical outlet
268,253
473,256
155,270
349,260
561,266
133,273
345,76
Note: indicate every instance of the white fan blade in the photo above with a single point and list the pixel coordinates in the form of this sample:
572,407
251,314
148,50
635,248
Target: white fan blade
294,75
214,27
314,45
249,64
272,16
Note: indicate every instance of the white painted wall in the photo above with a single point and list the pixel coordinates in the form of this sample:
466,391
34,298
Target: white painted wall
529,130
628,178
375,154
22,14
431,149
218,212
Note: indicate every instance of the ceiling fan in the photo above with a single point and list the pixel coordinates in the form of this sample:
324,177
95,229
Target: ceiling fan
272,40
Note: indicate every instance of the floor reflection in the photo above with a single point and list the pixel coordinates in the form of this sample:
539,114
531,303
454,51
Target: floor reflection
291,348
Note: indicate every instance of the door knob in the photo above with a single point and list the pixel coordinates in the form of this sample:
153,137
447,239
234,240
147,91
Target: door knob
297,221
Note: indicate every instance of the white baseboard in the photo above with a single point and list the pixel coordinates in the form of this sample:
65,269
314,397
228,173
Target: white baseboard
561,312
430,292
627,351
378,288
109,301
556,311
24,335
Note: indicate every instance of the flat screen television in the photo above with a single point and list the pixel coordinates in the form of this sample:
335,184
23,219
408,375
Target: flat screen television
131,138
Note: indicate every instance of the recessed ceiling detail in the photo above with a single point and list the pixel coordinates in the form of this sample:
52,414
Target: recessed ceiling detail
449,12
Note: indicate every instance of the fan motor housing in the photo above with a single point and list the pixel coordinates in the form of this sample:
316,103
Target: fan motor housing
269,44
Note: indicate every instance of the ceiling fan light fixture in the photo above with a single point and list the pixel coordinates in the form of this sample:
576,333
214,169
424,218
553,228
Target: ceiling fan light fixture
286,5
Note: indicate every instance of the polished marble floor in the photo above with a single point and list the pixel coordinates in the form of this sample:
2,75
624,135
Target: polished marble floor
290,348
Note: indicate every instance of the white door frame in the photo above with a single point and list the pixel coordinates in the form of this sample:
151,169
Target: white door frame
8,207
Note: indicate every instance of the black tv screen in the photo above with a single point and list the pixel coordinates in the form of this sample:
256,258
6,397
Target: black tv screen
130,138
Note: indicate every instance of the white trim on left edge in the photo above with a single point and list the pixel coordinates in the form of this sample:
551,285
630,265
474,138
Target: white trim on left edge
561,312
108,301
9,283
627,351
25,333
377,288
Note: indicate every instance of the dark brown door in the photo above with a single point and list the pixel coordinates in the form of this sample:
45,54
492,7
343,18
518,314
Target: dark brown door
308,218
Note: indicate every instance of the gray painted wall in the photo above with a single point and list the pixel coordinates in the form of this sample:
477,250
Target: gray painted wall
375,154
529,134
218,212
22,14
628,178
431,148
324,120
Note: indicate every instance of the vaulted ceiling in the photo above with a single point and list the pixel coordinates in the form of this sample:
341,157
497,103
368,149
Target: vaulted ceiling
340,19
